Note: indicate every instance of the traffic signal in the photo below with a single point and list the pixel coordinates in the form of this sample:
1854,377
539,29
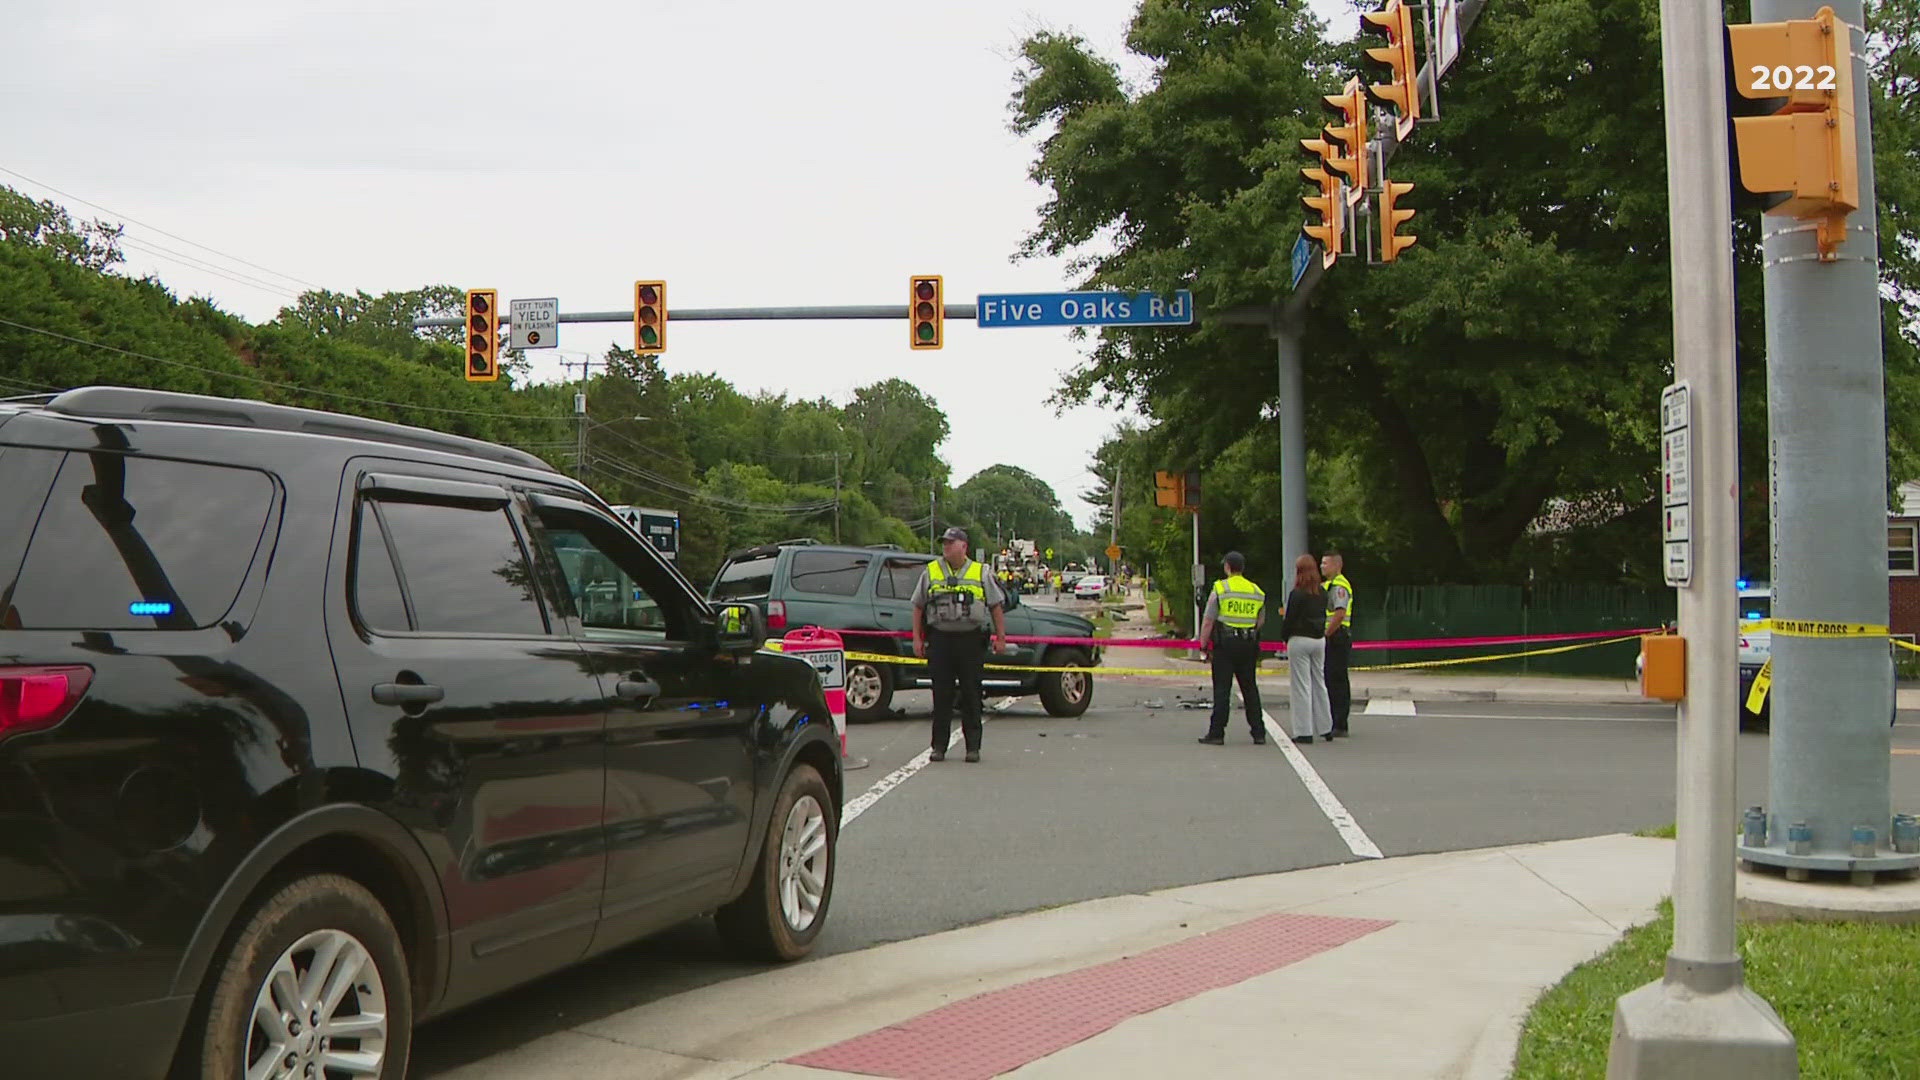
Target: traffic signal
483,335
1796,142
1329,230
926,313
1348,136
1166,490
1391,218
649,317
1401,91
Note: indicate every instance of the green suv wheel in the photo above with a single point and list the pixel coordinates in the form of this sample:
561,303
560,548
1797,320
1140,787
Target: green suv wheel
869,690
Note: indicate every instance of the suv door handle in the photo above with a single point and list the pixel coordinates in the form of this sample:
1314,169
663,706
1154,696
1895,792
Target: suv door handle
391,693
634,691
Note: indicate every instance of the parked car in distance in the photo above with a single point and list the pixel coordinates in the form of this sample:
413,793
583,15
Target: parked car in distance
803,583
313,727
1091,587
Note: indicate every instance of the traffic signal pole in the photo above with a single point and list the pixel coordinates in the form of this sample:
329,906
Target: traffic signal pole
1701,1020
1826,415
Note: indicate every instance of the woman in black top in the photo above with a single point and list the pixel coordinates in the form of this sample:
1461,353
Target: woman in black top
1303,625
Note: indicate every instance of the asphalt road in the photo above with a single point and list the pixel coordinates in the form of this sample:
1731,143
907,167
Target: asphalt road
1124,800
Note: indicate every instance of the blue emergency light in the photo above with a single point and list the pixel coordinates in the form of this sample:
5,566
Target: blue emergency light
150,607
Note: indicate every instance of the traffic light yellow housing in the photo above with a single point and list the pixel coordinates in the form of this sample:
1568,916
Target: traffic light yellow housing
1802,150
483,335
1401,91
649,317
1349,135
1391,218
926,312
1329,230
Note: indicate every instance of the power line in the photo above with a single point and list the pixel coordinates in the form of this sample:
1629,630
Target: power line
645,476
162,232
205,267
271,382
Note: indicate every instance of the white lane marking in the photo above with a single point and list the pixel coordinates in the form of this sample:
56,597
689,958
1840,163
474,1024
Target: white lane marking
1389,707
1337,815
895,778
1545,716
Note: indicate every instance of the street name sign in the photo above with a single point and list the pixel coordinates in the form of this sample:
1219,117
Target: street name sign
534,324
1676,482
1094,308
1302,255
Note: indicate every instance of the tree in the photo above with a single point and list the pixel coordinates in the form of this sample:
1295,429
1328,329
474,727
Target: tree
93,244
1513,357
900,430
1014,504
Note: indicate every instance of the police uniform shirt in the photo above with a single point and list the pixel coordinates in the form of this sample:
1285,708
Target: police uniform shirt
958,612
1337,600
1213,611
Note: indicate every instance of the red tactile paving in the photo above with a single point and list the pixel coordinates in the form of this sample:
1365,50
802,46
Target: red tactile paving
996,1032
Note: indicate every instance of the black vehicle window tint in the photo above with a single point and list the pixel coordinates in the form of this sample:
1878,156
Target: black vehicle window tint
463,569
376,588
835,573
899,577
611,578
26,477
744,579
128,543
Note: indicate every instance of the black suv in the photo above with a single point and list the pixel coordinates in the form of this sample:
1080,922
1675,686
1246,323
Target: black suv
803,583
313,727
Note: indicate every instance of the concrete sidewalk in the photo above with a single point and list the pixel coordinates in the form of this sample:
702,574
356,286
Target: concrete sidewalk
1419,966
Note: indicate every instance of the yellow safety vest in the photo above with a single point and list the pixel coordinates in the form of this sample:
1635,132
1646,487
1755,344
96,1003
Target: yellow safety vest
1340,580
970,580
1240,602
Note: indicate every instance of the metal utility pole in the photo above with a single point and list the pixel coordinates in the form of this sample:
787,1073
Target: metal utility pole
1293,443
1832,697
1701,1020
933,523
1113,527
836,496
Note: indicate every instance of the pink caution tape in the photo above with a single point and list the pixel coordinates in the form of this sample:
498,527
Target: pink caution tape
1277,646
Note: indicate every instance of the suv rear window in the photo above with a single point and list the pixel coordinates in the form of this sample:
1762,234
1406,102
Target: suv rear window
137,543
744,579
834,573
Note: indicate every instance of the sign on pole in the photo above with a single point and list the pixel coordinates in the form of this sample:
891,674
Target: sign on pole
1676,482
1096,308
1302,255
1113,551
535,324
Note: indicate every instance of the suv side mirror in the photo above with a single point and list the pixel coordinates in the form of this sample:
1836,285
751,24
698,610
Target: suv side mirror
740,628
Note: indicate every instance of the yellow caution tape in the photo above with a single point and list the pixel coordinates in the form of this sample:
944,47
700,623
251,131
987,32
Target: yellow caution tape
1815,629
1503,656
1757,694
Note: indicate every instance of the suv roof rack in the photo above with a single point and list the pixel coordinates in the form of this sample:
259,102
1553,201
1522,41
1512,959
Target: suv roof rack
130,403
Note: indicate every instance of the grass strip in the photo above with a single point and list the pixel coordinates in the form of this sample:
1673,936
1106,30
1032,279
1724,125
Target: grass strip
1846,990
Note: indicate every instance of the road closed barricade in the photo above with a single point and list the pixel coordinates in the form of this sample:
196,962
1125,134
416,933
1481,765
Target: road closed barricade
827,652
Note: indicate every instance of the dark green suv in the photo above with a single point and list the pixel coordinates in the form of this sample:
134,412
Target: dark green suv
802,583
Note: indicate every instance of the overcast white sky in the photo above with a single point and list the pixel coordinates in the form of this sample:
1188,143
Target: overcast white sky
748,152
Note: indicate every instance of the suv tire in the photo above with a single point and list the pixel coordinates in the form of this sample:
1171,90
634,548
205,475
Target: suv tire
325,921
780,915
1067,693
869,690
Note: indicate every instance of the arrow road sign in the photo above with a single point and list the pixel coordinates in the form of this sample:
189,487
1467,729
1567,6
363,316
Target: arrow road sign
534,324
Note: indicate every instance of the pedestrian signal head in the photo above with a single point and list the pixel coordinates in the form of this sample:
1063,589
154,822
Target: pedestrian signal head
1794,129
483,335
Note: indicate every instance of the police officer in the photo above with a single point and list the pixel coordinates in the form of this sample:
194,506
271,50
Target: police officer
1339,641
950,609
1230,630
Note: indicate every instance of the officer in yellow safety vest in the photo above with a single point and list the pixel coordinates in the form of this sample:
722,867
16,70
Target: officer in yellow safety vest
951,606
1339,641
1230,631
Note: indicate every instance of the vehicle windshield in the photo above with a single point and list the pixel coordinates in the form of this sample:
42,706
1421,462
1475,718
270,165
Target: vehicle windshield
744,579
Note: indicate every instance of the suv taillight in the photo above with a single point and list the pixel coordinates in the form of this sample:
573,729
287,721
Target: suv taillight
32,698
776,615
